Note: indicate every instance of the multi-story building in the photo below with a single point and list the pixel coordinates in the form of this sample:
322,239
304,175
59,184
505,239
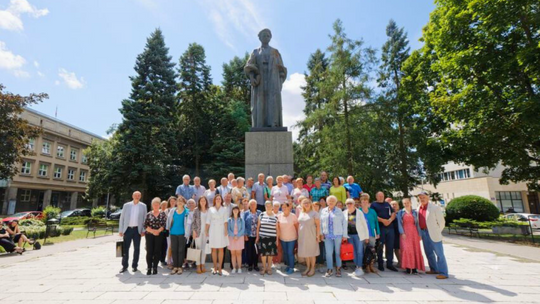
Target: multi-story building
458,180
55,174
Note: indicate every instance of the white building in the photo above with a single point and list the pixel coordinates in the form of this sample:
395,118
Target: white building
458,180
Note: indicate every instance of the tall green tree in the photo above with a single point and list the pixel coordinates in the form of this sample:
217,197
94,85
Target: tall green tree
481,75
101,161
194,88
346,87
144,152
397,110
306,151
236,85
15,132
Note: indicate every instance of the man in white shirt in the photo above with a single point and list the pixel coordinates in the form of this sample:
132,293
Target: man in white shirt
198,189
224,188
131,228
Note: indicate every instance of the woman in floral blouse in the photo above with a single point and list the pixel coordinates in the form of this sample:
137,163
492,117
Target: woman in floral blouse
154,224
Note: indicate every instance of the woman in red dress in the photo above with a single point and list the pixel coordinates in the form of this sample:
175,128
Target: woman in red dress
411,254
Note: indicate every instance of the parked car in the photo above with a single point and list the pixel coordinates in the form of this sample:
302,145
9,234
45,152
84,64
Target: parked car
525,217
115,215
76,212
24,216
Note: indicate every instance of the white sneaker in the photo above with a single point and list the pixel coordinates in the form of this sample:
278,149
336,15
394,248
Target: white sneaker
233,271
358,272
239,271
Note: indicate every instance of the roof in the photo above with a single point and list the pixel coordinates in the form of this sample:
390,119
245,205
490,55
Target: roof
63,122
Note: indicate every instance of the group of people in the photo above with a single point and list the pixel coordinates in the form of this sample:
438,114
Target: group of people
273,221
12,239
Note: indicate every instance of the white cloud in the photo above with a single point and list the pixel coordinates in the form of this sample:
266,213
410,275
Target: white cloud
57,82
12,62
40,74
10,18
234,17
36,64
292,101
70,79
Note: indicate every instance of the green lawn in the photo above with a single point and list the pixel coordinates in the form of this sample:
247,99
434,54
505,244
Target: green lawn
75,235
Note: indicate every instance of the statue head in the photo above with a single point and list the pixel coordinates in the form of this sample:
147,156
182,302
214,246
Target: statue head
265,36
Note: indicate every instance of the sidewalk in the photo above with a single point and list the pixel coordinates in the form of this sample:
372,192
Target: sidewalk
47,250
498,247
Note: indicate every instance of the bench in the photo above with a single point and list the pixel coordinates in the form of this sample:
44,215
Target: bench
93,227
471,229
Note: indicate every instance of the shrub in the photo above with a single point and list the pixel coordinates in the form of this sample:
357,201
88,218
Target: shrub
31,222
67,230
99,211
50,212
95,220
76,220
471,207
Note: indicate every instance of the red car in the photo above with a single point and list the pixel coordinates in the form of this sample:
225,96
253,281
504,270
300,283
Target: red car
24,216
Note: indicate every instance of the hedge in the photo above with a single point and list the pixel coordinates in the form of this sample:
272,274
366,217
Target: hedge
471,207
82,220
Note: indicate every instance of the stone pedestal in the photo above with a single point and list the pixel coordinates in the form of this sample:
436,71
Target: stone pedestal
270,153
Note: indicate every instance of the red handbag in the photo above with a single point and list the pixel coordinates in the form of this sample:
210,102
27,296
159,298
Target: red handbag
347,251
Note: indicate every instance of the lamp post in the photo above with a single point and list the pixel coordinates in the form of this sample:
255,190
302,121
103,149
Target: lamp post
530,226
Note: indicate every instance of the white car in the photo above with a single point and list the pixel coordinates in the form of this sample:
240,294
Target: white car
524,217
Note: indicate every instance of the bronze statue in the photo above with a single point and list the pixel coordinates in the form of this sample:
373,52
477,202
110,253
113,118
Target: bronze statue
267,74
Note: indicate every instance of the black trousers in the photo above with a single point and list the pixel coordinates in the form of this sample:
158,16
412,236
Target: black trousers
154,246
8,245
387,241
131,235
251,253
164,248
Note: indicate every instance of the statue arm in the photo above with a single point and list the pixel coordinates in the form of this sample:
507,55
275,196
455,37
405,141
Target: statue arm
282,68
251,70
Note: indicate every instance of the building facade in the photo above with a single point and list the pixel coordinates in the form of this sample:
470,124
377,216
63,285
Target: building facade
458,180
55,174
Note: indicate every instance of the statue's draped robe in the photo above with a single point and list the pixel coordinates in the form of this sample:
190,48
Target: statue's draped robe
267,66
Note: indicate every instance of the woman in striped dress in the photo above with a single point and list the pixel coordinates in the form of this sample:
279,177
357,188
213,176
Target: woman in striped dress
267,237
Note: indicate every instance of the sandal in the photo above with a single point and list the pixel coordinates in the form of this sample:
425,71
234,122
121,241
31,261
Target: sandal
269,271
311,273
180,270
328,273
263,271
338,272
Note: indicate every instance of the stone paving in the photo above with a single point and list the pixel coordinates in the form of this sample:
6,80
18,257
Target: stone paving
89,275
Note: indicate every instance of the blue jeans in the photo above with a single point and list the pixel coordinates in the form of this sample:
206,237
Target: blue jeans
434,253
288,253
387,241
332,246
358,249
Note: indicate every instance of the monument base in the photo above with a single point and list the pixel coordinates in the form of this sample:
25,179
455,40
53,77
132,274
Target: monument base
270,153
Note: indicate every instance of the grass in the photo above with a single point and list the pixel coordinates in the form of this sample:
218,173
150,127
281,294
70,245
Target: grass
75,235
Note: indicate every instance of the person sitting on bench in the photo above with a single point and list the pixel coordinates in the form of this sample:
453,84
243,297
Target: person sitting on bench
16,235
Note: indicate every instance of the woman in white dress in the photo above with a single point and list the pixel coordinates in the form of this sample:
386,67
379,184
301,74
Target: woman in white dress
210,193
216,232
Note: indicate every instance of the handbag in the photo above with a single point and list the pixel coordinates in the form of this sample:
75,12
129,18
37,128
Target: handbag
37,245
119,249
347,251
193,254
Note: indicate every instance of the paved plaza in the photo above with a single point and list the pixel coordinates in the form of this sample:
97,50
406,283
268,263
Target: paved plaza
89,274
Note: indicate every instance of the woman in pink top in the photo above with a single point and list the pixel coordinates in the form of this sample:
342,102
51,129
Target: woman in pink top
288,227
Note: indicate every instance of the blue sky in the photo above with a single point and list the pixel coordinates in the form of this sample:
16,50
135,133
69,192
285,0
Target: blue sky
82,52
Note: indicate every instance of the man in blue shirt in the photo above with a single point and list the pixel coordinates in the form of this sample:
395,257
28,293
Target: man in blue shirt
325,183
185,190
257,192
287,183
353,188
385,216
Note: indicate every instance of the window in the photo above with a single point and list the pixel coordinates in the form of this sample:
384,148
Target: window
46,148
60,151
25,195
26,168
43,170
509,199
58,172
73,155
82,176
31,144
84,159
71,174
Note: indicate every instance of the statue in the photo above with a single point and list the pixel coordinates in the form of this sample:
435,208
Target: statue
266,74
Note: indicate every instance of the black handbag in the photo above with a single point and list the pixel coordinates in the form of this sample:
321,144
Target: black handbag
37,245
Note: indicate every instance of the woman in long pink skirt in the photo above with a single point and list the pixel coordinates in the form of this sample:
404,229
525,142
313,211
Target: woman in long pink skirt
411,254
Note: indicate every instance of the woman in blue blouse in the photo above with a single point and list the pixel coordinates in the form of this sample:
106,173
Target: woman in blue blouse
333,232
251,219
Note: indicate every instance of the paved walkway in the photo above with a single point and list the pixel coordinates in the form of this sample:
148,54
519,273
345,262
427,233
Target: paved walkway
89,275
